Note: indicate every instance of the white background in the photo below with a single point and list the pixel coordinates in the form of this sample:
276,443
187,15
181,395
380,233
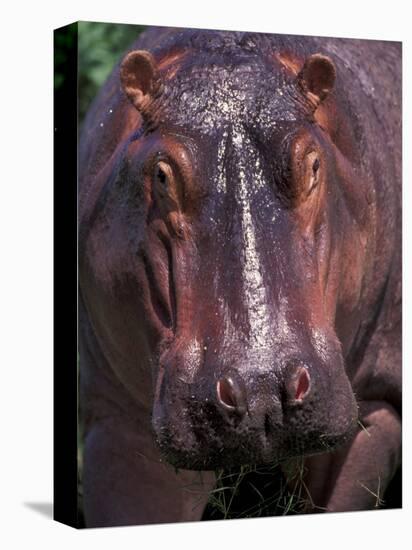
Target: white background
26,269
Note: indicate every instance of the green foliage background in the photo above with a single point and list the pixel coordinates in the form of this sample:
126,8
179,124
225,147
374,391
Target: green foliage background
100,47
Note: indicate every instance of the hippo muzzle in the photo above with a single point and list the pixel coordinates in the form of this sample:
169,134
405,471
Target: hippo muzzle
250,413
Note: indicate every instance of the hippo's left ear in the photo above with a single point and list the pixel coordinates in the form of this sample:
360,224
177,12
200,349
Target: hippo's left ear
317,77
138,77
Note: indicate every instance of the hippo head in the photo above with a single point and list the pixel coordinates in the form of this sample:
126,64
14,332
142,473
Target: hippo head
238,243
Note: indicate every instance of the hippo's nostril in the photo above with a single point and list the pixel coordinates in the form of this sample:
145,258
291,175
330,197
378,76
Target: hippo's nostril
231,395
225,393
298,386
303,383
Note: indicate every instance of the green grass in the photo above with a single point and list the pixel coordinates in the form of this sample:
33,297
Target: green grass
258,491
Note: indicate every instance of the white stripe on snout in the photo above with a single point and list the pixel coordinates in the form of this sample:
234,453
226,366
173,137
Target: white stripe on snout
221,152
253,286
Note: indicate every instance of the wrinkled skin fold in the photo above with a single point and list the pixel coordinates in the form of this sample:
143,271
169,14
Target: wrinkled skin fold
239,267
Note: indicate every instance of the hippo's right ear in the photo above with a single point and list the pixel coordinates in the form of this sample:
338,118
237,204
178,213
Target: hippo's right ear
317,77
137,75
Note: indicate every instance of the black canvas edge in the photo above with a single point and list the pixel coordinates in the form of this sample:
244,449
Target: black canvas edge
65,425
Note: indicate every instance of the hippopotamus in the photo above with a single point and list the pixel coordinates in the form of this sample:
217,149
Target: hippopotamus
240,271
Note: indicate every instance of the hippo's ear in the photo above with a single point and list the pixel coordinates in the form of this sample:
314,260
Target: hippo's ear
317,77
137,75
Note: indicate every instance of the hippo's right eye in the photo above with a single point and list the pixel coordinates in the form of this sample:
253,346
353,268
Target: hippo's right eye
313,170
166,186
161,175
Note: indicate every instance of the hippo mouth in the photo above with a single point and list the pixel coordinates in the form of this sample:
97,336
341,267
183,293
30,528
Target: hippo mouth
209,449
228,432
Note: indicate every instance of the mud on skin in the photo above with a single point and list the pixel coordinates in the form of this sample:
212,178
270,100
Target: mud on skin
239,260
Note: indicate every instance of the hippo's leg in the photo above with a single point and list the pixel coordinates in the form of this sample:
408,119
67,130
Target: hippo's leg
124,482
356,476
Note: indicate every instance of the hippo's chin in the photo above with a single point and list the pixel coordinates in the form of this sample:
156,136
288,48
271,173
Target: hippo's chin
252,448
215,456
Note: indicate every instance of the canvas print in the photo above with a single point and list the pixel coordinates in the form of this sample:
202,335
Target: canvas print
239,257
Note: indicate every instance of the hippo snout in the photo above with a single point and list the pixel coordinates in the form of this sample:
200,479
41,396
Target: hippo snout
255,416
232,397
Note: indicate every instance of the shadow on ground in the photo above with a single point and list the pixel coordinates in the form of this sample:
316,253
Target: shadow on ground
43,508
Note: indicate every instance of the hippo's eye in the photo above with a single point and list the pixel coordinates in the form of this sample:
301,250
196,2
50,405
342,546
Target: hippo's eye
166,186
161,176
313,167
